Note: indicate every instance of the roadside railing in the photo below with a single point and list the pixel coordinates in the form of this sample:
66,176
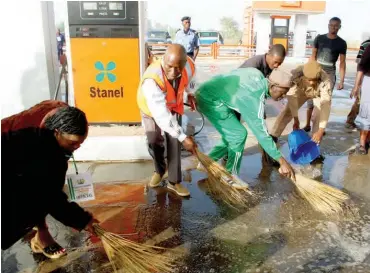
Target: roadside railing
230,51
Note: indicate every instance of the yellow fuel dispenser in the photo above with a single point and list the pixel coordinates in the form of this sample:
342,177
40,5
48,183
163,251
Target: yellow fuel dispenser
106,59
280,30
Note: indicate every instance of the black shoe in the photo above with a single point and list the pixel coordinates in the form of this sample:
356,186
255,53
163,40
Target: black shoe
307,128
319,160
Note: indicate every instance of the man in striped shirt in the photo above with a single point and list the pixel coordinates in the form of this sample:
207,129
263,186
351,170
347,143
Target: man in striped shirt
350,123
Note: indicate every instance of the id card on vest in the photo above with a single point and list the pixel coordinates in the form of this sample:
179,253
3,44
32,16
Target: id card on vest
81,187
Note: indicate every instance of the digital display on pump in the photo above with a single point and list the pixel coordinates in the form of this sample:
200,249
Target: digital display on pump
90,6
115,6
104,10
281,30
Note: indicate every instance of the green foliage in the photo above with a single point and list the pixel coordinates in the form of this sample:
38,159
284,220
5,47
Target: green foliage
230,30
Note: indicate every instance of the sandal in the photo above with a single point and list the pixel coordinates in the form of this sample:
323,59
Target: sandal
362,150
54,251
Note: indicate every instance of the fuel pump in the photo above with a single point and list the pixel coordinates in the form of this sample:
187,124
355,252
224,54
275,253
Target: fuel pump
107,53
280,30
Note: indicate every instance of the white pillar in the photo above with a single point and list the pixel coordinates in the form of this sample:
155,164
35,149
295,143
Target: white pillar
299,40
262,25
29,56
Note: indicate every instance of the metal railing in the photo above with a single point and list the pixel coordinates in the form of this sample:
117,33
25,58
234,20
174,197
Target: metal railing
229,51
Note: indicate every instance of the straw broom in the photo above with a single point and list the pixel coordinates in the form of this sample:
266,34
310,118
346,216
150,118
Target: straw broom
218,185
322,197
131,257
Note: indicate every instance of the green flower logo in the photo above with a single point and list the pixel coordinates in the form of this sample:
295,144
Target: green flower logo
105,71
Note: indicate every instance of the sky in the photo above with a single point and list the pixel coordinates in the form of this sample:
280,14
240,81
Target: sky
206,14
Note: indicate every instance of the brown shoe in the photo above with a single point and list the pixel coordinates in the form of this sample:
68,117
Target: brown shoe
179,189
155,181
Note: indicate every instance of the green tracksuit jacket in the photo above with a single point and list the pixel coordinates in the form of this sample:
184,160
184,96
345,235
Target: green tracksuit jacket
243,90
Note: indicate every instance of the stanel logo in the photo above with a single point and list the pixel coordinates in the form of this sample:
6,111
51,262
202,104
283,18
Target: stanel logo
105,72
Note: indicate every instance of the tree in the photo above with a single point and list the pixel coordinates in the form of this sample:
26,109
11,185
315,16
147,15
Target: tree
230,30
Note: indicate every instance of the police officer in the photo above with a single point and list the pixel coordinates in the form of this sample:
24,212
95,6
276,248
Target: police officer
188,38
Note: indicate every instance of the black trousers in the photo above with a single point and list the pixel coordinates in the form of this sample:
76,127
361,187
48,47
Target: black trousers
157,149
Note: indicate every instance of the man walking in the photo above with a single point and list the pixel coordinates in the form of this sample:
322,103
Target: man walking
60,43
327,49
350,123
188,38
160,99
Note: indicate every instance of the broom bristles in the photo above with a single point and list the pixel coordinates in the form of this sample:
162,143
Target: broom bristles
218,185
131,257
322,197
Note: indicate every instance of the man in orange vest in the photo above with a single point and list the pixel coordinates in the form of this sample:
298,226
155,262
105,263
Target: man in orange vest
161,102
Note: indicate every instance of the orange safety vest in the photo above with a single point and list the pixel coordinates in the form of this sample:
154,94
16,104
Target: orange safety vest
155,72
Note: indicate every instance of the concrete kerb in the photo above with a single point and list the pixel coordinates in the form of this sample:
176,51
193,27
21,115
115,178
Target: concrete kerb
113,148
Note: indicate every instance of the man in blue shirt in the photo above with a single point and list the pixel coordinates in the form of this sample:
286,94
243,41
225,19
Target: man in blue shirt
188,38
60,43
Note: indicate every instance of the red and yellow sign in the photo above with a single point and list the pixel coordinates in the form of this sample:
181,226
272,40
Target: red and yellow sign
106,74
304,7
296,4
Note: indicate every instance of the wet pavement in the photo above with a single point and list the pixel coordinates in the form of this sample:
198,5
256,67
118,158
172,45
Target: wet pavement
278,232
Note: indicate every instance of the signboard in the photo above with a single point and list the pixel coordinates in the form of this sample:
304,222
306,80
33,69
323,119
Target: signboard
80,187
296,4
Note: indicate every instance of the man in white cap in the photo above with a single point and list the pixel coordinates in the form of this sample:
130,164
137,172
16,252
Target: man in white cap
243,90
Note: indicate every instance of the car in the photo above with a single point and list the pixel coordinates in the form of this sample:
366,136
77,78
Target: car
158,37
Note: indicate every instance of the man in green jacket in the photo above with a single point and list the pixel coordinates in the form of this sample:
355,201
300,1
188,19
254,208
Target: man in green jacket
243,90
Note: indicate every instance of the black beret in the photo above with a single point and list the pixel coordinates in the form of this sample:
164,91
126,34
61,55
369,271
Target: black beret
185,18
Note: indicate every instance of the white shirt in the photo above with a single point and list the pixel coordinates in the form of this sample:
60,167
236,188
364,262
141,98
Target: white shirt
156,102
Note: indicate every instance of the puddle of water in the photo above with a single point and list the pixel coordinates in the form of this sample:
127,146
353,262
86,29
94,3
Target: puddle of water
277,233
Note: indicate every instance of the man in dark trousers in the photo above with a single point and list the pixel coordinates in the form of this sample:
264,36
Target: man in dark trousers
264,63
327,49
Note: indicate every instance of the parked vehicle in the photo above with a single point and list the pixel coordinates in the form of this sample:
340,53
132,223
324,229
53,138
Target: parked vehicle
158,37
210,37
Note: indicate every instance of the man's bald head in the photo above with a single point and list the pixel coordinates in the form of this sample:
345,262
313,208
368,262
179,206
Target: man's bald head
174,61
276,55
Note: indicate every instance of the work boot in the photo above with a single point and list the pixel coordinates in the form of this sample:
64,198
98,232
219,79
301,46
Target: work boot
155,181
179,189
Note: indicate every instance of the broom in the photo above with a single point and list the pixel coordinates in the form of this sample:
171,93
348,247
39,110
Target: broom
130,257
218,182
322,197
